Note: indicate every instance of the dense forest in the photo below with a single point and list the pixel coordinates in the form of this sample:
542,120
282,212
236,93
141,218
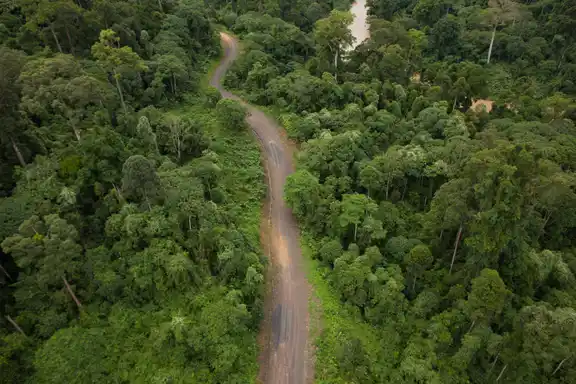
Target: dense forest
130,193
130,199
445,228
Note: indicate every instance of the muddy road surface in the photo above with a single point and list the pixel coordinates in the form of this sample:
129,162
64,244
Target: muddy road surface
284,358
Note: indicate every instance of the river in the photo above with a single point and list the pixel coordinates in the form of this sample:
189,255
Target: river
359,27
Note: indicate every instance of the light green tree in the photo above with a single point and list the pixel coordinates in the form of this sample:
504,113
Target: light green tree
417,261
231,114
116,60
333,36
140,180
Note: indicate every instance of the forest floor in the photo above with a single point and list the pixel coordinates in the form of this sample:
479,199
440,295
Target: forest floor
285,356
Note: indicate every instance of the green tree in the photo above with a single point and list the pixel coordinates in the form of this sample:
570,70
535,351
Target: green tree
172,70
13,138
333,36
48,253
147,135
301,193
498,13
57,17
58,88
140,180
417,261
430,11
354,209
116,60
181,137
231,114
541,345
69,349
487,297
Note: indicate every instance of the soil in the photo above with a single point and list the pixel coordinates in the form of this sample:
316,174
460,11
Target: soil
284,354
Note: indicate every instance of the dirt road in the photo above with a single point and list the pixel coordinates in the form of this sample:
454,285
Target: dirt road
284,359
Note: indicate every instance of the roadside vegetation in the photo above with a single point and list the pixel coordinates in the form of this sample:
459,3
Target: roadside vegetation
442,235
131,196
439,236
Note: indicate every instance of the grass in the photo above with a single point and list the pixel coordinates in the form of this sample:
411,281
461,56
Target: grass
331,321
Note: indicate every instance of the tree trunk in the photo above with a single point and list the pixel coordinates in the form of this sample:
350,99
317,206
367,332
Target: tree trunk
491,45
18,153
160,5
56,39
336,64
156,144
4,271
171,82
404,190
355,231
71,292
456,244
501,373
493,364
455,101
147,201
388,185
69,39
76,132
560,61
559,366
179,139
120,197
471,326
15,325
547,218
120,92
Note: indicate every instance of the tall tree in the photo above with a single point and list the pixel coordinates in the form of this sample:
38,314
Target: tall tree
48,253
57,17
333,36
140,180
58,88
116,60
12,137
498,13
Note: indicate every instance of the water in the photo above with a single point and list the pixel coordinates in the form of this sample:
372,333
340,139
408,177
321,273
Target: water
359,27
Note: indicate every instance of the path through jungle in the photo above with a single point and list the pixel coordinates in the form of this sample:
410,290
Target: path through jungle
284,358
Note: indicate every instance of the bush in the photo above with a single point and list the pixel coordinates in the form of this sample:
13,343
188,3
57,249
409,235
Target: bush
231,114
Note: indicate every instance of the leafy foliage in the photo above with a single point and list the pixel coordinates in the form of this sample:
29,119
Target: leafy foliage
129,235
435,184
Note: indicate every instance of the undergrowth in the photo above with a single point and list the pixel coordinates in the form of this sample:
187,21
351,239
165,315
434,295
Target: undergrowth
335,327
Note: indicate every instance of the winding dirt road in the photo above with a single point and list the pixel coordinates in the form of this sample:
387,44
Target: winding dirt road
284,359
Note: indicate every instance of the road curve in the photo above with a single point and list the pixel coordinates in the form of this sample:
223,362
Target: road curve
284,360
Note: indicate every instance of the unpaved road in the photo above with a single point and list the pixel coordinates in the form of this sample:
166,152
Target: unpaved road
284,359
